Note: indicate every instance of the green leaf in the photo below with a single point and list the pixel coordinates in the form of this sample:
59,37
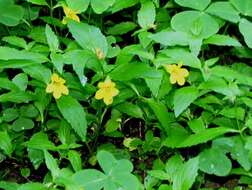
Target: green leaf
170,38
183,97
120,5
10,114
74,113
195,23
204,136
5,143
88,37
8,185
122,28
58,61
40,141
32,186
125,72
146,15
10,14
172,166
101,6
75,159
161,113
38,2
22,124
15,41
181,55
51,164
243,7
214,161
16,96
7,53
39,72
52,39
195,4
245,28
21,80
78,5
36,157
130,109
222,40
90,179
186,175
224,10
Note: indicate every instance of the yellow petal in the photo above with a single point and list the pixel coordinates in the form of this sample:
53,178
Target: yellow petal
64,21
114,92
99,94
101,85
64,90
108,100
56,94
181,81
184,72
173,79
55,77
50,88
74,17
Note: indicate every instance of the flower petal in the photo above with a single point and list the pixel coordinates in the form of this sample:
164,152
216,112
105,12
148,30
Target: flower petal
108,100
56,94
99,94
173,79
114,92
184,72
64,90
181,81
50,88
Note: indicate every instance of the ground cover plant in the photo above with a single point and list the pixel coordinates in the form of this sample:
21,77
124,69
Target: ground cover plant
125,94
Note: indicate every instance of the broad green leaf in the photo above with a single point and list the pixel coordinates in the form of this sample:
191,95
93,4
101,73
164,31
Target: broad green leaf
7,53
183,97
36,157
222,40
172,166
74,113
10,114
58,61
39,72
129,71
32,186
146,15
78,5
186,175
122,28
16,64
161,113
40,141
245,28
7,84
181,55
5,143
90,179
75,160
119,5
244,6
224,10
204,136
38,2
195,4
214,161
16,41
22,124
21,81
8,185
52,39
170,38
101,6
16,96
197,125
130,109
10,14
51,164
88,37
195,23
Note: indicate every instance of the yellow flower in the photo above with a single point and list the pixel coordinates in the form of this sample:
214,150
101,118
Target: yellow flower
100,55
57,86
107,91
70,14
177,74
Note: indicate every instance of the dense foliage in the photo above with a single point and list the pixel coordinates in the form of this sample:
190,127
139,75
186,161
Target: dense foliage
125,94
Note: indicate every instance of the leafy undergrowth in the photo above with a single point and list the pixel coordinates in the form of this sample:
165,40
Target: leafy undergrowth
125,94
